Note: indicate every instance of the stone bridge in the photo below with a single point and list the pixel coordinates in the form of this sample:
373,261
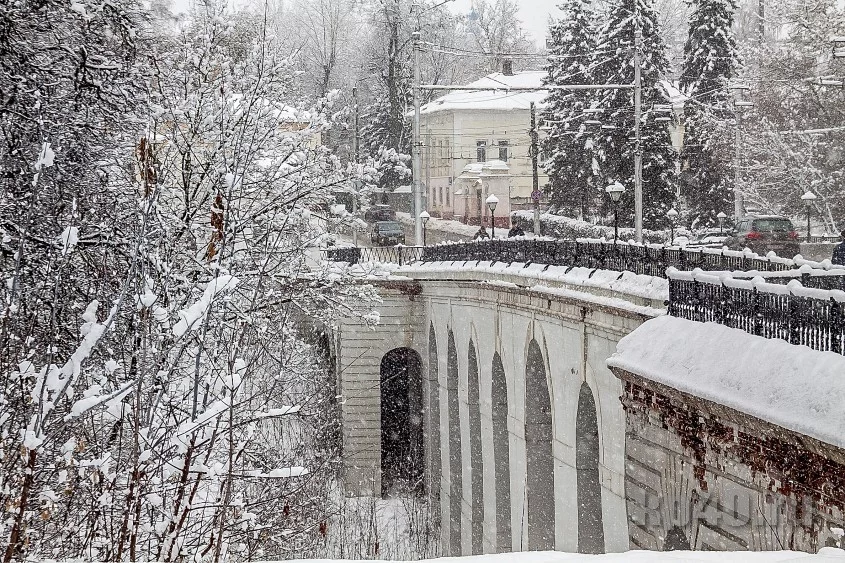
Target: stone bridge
489,389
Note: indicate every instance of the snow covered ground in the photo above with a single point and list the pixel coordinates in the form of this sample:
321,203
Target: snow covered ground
827,554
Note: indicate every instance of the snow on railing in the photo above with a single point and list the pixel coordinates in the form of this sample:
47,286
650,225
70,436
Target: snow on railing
800,315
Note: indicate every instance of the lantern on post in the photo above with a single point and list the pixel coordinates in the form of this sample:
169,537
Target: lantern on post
615,191
492,201
672,215
808,198
424,217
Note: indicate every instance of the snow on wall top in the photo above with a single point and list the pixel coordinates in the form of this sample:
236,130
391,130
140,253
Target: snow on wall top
499,100
826,554
765,378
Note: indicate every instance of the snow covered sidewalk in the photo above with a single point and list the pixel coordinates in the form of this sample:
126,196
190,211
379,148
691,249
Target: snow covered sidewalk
827,554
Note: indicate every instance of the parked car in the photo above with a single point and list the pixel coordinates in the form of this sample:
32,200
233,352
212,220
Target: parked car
765,233
711,238
385,233
379,212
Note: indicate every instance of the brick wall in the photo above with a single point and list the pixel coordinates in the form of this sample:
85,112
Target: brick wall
703,476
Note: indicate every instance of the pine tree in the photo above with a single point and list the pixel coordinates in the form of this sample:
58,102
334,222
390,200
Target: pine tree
570,167
710,60
613,64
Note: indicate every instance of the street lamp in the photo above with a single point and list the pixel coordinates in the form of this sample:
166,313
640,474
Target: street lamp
424,217
808,198
672,215
615,190
721,217
491,201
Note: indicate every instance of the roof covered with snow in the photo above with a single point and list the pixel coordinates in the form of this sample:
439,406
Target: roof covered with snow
502,99
499,100
765,378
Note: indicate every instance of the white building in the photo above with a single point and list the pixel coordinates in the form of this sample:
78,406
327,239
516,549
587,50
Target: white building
476,127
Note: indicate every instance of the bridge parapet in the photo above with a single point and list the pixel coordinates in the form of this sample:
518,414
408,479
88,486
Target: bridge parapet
727,444
641,294
646,259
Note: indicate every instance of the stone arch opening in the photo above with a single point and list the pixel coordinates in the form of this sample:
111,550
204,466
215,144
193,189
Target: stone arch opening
455,461
676,540
501,456
434,455
590,525
540,484
402,450
475,461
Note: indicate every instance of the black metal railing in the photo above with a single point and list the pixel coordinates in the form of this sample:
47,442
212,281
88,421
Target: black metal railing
390,254
649,260
811,321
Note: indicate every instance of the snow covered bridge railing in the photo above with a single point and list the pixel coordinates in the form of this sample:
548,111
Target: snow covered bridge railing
791,312
649,259
587,253
390,254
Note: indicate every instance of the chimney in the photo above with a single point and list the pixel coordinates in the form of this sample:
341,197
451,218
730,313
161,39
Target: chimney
507,67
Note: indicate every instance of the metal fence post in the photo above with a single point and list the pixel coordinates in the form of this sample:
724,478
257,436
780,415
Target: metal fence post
837,326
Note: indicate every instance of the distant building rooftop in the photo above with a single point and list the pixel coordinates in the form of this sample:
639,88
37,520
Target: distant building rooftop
503,100
499,100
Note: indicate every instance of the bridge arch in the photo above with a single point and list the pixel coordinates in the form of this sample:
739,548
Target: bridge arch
455,461
476,503
538,451
587,455
402,449
433,429
501,455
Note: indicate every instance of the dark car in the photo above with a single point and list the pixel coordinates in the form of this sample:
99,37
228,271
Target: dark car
386,233
379,212
765,233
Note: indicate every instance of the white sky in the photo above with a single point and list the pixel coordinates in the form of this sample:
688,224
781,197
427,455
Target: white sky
533,13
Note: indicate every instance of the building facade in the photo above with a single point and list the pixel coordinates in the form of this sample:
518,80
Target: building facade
469,127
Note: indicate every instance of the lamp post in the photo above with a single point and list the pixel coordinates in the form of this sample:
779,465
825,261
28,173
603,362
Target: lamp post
808,198
721,217
672,215
424,217
491,202
739,105
615,190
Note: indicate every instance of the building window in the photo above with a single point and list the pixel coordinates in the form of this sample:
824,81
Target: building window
440,195
503,150
481,151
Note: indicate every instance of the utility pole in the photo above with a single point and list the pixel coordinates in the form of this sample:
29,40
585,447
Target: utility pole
638,150
356,183
427,191
737,194
417,207
535,194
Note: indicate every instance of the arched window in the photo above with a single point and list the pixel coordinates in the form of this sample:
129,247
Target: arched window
590,527
501,456
475,462
540,482
402,452
455,462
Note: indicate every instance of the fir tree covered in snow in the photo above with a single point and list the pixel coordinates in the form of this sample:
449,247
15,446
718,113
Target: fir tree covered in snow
570,166
710,61
613,65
